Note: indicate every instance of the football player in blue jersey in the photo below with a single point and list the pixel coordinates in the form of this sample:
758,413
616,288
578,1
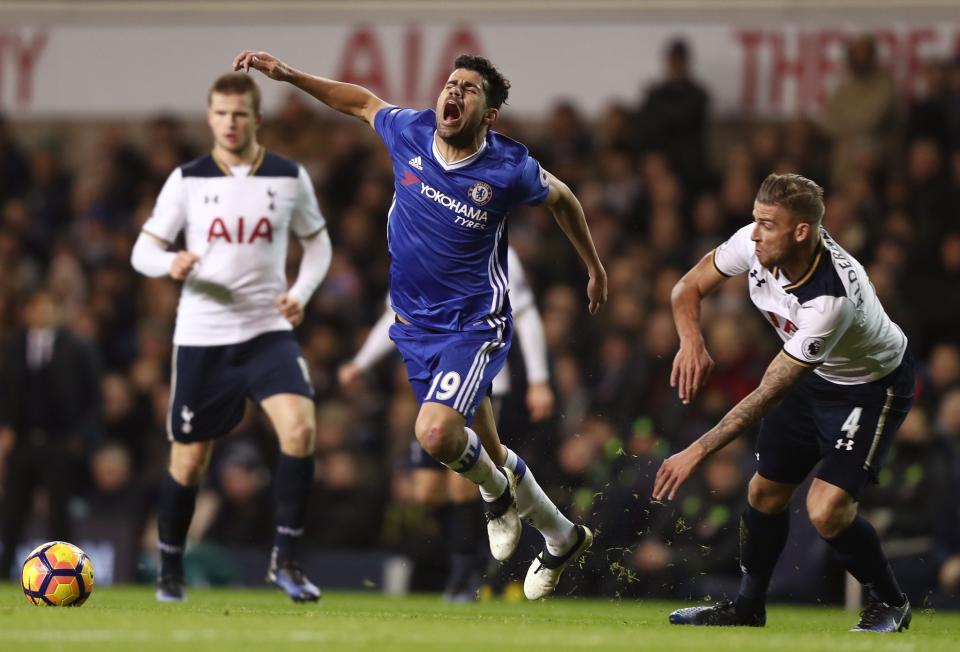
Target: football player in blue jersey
455,182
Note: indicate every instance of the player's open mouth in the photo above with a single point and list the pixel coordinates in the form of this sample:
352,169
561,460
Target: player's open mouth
451,113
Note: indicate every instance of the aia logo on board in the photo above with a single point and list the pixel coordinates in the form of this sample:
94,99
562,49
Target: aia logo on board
481,193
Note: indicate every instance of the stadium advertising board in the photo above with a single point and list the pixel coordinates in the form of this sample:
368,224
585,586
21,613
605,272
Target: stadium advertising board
131,71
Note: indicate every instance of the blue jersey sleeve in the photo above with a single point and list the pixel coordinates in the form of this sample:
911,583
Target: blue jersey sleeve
531,187
392,120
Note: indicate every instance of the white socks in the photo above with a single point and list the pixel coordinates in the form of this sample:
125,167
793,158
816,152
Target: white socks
476,466
536,508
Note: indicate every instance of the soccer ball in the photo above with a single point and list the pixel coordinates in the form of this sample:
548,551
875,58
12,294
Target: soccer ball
57,574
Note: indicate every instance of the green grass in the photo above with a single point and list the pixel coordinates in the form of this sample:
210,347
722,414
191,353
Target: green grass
128,619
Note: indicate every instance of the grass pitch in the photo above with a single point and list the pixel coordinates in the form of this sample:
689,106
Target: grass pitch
128,619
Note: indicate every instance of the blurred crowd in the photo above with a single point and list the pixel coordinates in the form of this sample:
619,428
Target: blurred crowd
663,181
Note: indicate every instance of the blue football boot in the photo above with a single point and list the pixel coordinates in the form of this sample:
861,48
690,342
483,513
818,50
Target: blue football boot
722,614
288,576
171,588
880,617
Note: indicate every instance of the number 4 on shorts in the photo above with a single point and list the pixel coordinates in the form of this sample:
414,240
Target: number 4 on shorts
852,424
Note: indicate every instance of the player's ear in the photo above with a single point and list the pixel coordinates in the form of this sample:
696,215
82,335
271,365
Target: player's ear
801,231
490,117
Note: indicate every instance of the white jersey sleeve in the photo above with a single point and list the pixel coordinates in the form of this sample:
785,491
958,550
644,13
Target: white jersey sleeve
521,295
526,319
307,218
378,343
821,322
170,212
733,257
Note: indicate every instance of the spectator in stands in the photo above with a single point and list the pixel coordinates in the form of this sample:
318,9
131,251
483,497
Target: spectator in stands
50,408
862,111
673,118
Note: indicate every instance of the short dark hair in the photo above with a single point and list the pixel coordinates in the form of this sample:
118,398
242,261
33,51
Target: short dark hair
799,195
236,83
497,87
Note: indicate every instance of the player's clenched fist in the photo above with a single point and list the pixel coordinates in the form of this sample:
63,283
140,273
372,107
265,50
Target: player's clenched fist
265,62
182,264
290,308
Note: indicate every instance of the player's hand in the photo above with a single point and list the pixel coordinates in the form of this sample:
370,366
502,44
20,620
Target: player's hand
676,470
949,575
539,401
348,374
597,290
182,263
691,369
265,62
290,308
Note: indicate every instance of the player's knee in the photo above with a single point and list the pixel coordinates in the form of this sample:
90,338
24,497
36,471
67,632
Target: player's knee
765,498
436,437
830,519
187,469
299,439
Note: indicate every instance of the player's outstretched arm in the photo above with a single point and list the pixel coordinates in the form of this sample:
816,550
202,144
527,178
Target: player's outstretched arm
346,98
782,374
374,348
568,213
692,364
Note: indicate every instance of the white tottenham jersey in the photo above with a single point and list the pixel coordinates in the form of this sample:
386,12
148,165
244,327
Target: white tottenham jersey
239,226
521,299
830,318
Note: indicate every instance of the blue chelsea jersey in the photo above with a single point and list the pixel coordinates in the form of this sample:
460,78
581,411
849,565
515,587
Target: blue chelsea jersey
446,227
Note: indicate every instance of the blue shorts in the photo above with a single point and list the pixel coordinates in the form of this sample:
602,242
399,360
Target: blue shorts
210,384
453,369
848,427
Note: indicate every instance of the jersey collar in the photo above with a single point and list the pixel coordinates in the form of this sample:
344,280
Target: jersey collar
813,267
438,157
257,162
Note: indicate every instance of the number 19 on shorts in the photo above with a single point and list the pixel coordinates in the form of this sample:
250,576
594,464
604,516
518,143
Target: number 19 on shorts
445,385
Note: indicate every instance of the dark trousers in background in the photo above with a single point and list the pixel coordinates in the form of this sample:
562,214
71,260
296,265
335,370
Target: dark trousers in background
37,460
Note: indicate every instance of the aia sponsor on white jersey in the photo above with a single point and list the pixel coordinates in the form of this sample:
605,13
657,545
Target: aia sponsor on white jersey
239,222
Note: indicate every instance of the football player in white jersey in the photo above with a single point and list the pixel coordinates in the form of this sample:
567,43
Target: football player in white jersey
455,499
833,398
236,208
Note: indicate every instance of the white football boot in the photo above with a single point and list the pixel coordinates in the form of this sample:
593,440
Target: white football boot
503,522
545,569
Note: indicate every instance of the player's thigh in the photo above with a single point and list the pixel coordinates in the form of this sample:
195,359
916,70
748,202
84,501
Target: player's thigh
452,369
787,448
857,424
430,486
473,361
207,393
294,418
188,461
272,364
